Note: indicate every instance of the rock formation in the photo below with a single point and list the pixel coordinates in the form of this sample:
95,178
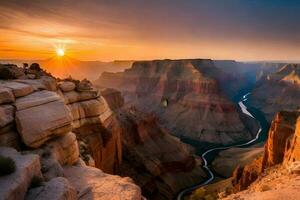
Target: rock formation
281,154
47,119
156,160
196,106
278,91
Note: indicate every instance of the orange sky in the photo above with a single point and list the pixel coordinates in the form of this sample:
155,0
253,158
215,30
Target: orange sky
97,30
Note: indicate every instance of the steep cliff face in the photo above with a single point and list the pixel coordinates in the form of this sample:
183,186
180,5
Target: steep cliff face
185,95
157,161
278,91
51,118
281,150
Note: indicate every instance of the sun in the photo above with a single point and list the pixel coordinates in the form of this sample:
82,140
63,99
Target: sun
60,52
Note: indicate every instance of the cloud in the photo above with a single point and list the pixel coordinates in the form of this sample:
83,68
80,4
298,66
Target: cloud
101,24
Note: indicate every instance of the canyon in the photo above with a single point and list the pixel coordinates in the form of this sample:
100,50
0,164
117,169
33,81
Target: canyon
198,108
139,133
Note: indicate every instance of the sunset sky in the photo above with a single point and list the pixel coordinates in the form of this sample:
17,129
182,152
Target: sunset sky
136,29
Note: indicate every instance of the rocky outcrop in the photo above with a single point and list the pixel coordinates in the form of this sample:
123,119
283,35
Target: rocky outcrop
158,162
56,189
50,118
278,91
292,150
281,149
92,183
276,183
43,122
14,186
196,107
279,139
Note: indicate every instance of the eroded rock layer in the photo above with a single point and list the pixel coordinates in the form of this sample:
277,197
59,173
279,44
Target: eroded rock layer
282,148
278,91
156,160
49,121
185,95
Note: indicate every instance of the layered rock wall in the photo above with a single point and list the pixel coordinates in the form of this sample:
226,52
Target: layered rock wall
49,120
196,106
282,148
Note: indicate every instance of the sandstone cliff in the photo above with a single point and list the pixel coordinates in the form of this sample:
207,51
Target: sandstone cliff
278,91
48,119
185,95
280,163
156,160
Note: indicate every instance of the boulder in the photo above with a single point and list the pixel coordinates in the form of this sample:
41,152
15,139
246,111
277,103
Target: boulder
19,89
92,183
35,67
67,86
9,71
64,149
41,123
84,85
14,186
6,95
56,189
6,115
36,99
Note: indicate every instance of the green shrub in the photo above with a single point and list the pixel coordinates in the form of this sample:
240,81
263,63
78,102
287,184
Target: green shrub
36,181
7,165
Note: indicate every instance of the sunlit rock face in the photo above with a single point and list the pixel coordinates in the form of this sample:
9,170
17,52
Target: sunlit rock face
197,107
49,120
281,149
278,91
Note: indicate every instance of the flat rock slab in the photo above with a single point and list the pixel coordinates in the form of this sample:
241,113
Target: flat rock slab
56,189
89,108
6,95
92,183
6,115
73,96
36,99
14,186
41,123
19,89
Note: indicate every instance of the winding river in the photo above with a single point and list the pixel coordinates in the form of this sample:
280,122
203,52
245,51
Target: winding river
262,126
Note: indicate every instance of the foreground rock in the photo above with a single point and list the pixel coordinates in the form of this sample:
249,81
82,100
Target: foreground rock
56,189
92,183
49,121
14,186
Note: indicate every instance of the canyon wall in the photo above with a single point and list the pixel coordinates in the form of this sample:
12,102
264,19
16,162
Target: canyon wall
281,151
157,161
185,95
278,91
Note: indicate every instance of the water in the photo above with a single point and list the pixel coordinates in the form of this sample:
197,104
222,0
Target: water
210,154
